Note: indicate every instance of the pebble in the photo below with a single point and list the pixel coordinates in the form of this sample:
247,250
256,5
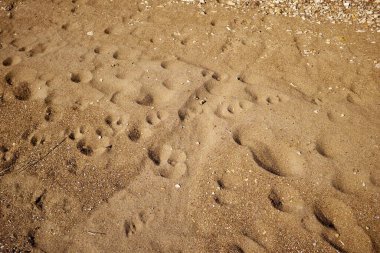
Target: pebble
346,11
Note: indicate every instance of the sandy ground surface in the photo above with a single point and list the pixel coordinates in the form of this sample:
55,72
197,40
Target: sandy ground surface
161,126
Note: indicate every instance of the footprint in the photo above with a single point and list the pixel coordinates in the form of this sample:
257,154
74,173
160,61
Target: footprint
145,99
261,236
227,186
90,147
171,84
375,177
90,142
168,64
11,61
24,84
134,134
215,87
335,116
275,99
170,162
279,161
17,76
53,114
117,123
37,49
220,76
8,157
72,166
327,145
137,223
83,76
354,182
266,95
229,109
156,117
190,110
71,26
286,199
248,245
114,30
22,91
151,95
354,98
275,157
39,139
339,227
127,54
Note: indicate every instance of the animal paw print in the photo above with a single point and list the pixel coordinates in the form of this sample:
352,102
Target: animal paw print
191,110
38,139
90,142
8,159
83,76
226,186
232,108
35,138
12,60
53,114
266,96
285,198
156,117
275,99
137,223
116,123
171,163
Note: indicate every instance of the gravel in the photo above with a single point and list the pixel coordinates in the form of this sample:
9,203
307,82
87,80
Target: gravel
363,12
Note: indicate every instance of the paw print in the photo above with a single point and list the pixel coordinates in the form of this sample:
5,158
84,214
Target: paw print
275,99
191,110
137,223
170,162
156,117
8,158
232,108
38,139
53,114
116,123
91,142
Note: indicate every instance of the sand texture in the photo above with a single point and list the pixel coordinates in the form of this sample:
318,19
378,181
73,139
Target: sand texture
164,126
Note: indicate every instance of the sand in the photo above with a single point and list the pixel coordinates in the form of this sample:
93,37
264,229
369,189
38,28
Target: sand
166,126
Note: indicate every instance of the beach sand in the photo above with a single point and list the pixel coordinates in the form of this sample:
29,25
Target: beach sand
184,126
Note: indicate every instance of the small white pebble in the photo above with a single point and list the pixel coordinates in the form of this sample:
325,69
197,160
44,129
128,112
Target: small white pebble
346,4
177,186
90,33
